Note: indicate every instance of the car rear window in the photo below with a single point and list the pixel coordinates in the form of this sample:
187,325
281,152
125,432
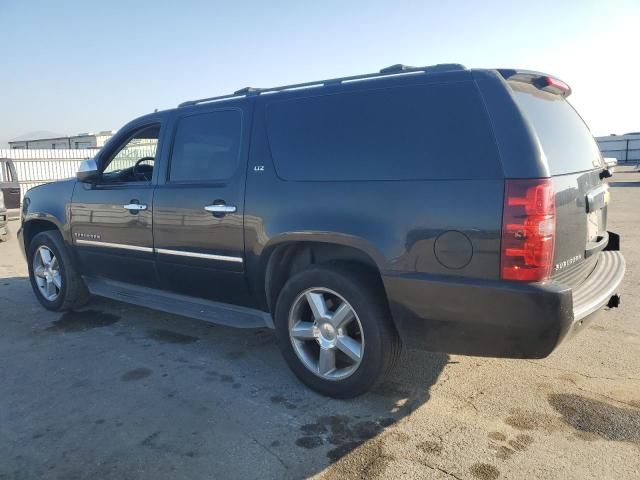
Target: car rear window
565,138
437,131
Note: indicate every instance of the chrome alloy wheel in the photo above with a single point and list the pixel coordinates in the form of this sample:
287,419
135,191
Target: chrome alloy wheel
46,271
326,333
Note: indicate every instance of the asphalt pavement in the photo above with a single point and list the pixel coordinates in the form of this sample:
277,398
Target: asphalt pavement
120,392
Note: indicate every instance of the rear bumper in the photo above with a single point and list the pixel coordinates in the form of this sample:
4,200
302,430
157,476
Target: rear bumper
494,318
597,289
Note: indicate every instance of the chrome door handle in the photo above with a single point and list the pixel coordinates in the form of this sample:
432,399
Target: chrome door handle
220,208
135,206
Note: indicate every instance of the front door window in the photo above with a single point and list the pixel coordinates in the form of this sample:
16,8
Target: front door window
135,159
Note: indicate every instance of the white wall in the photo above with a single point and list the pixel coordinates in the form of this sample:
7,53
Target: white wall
77,141
84,141
623,147
101,138
43,144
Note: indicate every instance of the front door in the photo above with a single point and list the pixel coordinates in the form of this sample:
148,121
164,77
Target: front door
199,204
111,220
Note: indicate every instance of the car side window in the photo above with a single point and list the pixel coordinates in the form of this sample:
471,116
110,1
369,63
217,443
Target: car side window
135,158
206,147
408,132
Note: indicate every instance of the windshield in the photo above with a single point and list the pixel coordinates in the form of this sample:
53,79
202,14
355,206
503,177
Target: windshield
565,138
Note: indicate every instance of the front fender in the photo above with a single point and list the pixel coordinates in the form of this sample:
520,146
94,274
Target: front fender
51,203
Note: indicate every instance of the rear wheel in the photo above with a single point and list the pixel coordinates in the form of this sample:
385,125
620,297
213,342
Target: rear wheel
334,330
54,280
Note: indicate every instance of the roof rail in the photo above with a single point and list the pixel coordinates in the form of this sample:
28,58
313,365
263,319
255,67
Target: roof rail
397,69
247,91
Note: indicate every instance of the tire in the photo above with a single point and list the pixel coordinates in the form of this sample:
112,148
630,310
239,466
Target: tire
300,334
72,291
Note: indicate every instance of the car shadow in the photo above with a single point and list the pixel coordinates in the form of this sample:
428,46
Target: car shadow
180,393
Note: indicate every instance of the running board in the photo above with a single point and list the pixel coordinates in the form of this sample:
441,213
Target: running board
198,308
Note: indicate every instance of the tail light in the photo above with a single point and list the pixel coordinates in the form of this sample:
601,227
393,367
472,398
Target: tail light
554,85
528,230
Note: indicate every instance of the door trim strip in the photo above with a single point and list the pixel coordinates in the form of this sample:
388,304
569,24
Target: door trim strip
95,243
208,256
179,253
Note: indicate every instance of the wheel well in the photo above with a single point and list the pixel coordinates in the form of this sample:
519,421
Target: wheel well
292,258
34,227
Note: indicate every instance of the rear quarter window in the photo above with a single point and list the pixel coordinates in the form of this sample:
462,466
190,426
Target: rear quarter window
426,131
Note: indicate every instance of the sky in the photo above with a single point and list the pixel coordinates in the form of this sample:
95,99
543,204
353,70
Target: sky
82,66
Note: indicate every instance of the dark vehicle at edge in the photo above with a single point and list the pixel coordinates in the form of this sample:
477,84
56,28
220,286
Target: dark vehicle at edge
9,186
453,210
4,231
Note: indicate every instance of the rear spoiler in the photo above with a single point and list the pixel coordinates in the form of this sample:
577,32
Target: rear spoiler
541,80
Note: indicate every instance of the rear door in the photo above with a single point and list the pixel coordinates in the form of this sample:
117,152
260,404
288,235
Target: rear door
9,185
199,205
575,164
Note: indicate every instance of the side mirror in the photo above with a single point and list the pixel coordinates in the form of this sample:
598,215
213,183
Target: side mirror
88,171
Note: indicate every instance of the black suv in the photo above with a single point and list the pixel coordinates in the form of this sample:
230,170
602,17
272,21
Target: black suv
454,210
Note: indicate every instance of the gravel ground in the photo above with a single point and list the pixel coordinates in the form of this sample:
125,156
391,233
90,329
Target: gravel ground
120,392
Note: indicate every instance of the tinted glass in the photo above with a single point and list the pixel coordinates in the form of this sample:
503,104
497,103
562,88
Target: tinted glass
436,131
566,141
206,147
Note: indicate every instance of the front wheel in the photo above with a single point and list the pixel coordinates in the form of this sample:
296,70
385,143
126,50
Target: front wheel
54,280
333,327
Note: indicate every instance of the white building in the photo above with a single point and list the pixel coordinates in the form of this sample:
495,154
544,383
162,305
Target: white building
80,141
626,148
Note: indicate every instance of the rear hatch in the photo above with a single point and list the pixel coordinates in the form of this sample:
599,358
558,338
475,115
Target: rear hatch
575,164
